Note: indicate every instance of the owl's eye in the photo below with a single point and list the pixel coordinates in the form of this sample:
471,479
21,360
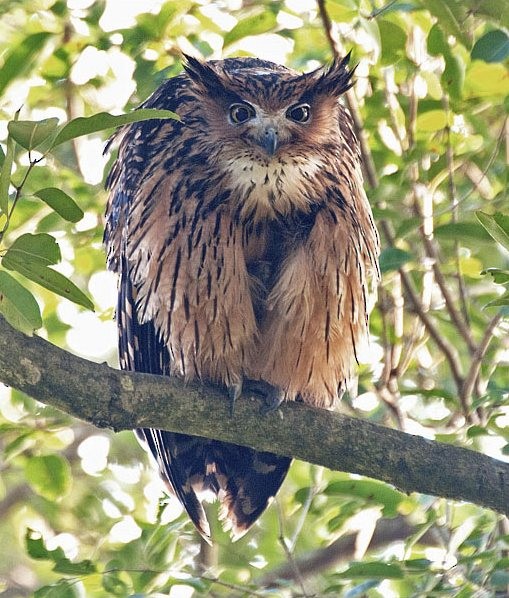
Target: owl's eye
299,113
241,113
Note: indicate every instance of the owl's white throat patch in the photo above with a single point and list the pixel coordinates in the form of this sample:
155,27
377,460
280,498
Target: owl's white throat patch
273,188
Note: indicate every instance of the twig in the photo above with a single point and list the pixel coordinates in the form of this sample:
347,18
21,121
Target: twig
432,253
289,551
477,358
453,200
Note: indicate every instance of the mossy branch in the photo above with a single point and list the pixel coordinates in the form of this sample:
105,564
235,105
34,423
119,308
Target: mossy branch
119,400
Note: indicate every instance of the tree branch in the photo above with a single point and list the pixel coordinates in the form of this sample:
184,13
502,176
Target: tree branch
125,400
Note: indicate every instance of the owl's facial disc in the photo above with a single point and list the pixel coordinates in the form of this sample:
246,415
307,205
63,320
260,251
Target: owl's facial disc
267,129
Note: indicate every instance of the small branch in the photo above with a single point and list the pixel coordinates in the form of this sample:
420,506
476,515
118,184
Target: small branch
478,356
126,400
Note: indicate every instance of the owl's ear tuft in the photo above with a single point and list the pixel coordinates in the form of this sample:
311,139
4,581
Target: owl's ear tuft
332,80
202,72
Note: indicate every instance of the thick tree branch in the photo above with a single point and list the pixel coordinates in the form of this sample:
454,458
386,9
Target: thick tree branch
124,400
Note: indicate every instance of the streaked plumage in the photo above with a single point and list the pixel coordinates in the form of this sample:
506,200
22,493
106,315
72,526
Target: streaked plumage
246,250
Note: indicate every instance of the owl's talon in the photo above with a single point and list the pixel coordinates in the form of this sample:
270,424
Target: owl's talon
234,392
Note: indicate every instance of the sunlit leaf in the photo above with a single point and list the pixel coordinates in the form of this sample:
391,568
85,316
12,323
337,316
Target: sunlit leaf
49,475
104,121
433,120
492,47
252,25
342,11
41,248
59,201
30,133
487,79
19,59
18,305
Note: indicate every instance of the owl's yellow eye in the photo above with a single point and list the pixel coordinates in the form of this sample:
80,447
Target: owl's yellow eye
241,113
299,113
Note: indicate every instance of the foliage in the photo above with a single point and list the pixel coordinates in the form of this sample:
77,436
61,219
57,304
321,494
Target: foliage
80,515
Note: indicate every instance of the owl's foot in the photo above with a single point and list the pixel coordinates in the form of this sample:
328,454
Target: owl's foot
234,392
272,395
273,399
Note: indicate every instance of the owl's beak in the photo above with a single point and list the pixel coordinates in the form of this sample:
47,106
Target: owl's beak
269,140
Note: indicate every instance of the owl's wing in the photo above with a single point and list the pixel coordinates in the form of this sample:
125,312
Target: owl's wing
243,479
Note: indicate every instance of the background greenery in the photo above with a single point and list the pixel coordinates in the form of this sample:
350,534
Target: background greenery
81,512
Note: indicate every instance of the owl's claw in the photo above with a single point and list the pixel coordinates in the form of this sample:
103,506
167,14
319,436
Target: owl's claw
234,392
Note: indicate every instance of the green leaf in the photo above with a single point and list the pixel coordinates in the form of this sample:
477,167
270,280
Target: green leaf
20,58
342,11
462,231
49,279
18,305
36,548
62,589
252,25
437,42
492,47
372,570
393,40
102,121
497,226
453,76
450,18
49,476
432,120
502,300
499,276
30,133
371,490
393,258
111,580
41,248
487,80
59,201
66,566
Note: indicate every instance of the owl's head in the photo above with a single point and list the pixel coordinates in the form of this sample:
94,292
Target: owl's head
266,110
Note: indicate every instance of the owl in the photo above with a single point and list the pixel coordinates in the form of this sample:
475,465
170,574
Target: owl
247,257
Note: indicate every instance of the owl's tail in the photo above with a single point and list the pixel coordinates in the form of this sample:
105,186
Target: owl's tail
244,480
